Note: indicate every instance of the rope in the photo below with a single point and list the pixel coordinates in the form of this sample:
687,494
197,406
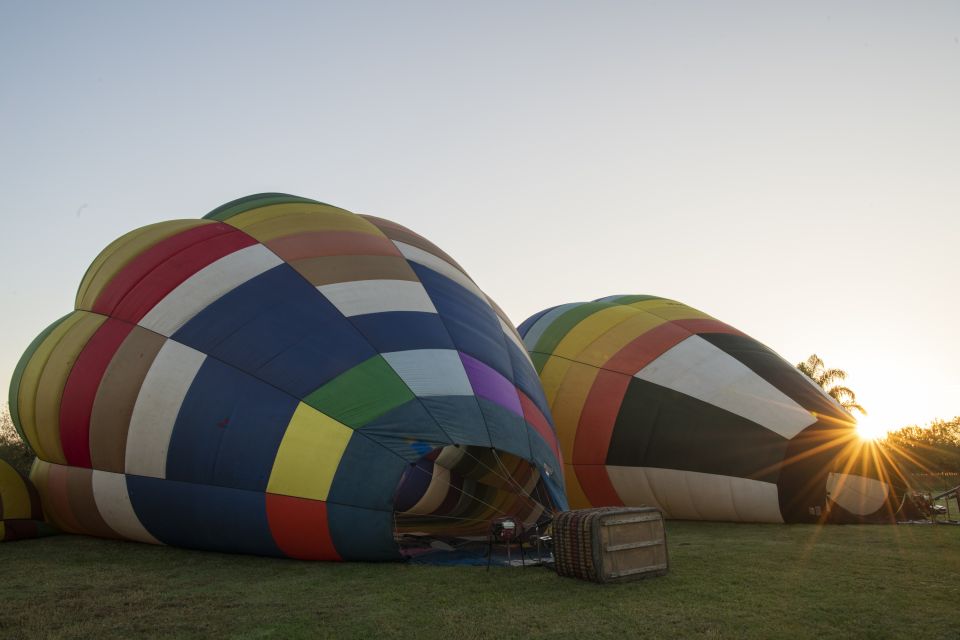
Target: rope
496,456
508,478
472,497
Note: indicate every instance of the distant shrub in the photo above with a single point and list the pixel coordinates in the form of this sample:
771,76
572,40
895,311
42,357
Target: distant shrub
12,447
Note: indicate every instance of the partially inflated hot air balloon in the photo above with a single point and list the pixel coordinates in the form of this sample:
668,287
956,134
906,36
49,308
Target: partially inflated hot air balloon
283,377
20,514
659,404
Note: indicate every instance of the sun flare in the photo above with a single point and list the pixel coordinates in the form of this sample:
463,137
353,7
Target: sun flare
869,428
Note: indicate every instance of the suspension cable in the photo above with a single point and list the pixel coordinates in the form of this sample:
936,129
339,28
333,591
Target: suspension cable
472,497
508,478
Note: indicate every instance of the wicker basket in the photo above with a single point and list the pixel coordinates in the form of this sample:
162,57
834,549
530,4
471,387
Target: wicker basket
610,544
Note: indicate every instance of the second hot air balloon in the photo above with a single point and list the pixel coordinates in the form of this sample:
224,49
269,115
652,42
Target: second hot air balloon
659,404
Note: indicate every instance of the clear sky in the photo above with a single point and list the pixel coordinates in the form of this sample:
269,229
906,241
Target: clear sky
790,168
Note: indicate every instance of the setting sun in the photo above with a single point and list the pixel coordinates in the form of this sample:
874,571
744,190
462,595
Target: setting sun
869,428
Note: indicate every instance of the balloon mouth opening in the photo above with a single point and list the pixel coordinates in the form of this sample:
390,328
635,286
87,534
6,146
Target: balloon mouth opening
452,496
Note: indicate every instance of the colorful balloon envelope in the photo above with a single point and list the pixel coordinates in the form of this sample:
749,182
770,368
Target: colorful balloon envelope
21,516
284,377
658,404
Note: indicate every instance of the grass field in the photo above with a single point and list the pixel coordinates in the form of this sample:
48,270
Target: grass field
726,581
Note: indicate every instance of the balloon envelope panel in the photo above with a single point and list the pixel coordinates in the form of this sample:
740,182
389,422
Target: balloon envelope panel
262,379
657,403
21,516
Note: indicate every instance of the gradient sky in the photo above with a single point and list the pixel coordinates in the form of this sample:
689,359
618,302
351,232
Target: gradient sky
790,168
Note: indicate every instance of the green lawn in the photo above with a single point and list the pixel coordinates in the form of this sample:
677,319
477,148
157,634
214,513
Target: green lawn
726,581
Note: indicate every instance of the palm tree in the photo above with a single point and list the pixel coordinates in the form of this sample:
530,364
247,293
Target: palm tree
829,380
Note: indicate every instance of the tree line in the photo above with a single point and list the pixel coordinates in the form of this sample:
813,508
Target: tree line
931,449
